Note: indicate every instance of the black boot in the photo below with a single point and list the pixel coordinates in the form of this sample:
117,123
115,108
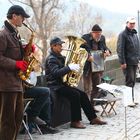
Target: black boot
46,129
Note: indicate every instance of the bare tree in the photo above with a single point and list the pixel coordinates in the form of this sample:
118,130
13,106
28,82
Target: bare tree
45,17
82,19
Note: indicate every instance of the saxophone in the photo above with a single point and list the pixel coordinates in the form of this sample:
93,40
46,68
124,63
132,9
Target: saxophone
77,55
28,57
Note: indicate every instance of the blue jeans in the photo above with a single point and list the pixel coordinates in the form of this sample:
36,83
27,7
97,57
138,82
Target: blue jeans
41,105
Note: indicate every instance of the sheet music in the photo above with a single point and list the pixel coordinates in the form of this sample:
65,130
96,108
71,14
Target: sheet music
125,90
110,88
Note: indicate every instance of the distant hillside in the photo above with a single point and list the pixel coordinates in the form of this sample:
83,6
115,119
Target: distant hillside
112,21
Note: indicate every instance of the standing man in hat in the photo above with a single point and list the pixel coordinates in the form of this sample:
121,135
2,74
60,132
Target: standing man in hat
128,49
11,61
95,41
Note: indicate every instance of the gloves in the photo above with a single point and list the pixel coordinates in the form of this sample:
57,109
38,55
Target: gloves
22,65
74,67
33,47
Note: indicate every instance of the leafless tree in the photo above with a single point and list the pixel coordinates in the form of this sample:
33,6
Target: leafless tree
82,19
45,16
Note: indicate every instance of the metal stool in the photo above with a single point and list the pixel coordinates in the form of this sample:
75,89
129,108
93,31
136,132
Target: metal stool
27,101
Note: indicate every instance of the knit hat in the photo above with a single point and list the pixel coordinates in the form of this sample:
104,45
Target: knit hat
96,28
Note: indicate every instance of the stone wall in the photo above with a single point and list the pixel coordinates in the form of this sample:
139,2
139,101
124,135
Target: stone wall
113,70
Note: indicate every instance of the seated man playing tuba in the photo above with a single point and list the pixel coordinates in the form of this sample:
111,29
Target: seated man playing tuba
55,70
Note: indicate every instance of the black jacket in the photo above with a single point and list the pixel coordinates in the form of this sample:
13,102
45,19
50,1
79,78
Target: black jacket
55,69
128,47
90,45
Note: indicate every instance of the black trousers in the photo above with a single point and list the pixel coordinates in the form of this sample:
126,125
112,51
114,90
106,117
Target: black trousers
78,100
41,105
130,77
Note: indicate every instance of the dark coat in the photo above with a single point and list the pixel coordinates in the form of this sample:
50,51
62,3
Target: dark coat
10,51
55,69
89,46
128,47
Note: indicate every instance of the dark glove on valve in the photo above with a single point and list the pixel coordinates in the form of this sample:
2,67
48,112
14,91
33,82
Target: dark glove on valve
22,65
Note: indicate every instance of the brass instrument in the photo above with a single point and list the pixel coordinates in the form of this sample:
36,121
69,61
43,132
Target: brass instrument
28,57
77,55
98,63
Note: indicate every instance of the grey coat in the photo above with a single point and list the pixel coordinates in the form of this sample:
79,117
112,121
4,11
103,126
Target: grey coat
10,51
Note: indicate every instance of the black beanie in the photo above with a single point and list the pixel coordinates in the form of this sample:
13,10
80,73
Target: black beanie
96,27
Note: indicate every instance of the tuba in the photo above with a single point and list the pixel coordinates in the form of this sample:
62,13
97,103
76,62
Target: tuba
29,58
77,55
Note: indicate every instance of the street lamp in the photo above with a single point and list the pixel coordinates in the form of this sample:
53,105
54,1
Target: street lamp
138,24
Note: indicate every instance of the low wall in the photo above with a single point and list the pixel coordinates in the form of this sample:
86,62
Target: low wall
113,70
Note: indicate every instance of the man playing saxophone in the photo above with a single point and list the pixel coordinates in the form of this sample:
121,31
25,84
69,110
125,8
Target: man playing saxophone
55,70
11,61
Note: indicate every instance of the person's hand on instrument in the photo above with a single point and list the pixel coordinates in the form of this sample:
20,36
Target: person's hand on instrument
90,58
107,53
74,67
22,65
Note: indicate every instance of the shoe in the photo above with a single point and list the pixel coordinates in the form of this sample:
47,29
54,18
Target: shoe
37,120
45,129
97,121
77,124
132,105
136,103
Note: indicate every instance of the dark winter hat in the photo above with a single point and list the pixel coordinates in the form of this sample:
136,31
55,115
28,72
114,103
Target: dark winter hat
96,28
16,9
56,40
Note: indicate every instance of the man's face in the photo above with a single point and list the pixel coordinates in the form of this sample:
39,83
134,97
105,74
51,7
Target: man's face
130,25
96,35
17,20
57,48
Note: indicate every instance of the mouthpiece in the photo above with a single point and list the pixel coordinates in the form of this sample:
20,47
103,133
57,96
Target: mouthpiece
67,49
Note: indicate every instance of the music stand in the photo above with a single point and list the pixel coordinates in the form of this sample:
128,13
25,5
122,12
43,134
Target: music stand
125,128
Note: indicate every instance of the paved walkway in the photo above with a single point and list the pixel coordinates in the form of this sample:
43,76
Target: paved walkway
115,130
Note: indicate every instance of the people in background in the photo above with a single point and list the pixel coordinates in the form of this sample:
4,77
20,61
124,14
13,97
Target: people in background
95,41
128,50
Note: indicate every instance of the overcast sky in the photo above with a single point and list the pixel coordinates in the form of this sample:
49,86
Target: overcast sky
121,6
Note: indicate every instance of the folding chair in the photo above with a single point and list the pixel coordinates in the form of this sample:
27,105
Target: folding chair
107,104
27,101
25,122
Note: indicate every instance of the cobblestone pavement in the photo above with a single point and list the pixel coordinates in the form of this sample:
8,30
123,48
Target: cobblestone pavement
114,130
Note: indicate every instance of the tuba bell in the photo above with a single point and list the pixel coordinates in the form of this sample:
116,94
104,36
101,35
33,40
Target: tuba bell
77,55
